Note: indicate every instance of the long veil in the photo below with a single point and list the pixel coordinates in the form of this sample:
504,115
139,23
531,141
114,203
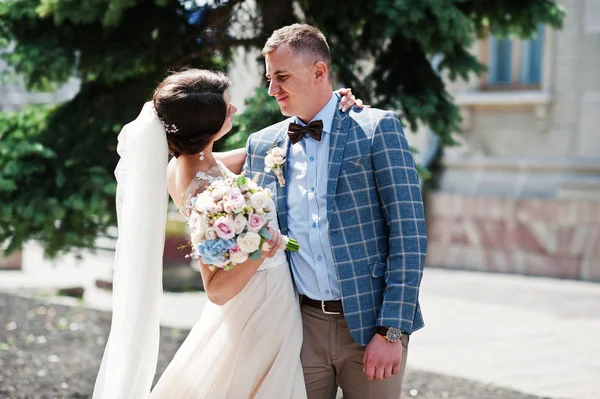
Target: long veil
129,362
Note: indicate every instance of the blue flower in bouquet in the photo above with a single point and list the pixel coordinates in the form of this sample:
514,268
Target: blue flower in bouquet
213,252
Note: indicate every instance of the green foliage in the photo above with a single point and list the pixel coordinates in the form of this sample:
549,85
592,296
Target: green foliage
37,188
56,163
56,188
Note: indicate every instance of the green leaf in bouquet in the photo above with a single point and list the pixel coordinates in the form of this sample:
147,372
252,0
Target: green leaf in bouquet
255,255
264,232
241,181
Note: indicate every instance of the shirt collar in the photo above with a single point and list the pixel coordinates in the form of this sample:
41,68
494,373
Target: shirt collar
326,114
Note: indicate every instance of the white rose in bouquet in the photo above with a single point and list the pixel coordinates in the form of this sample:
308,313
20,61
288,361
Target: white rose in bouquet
259,200
236,255
216,207
198,226
211,234
203,202
216,195
249,242
240,223
235,202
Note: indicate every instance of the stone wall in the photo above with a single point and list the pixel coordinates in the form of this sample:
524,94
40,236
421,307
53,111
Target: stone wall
11,262
532,236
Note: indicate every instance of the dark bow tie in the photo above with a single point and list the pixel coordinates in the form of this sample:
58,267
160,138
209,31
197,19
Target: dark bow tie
296,131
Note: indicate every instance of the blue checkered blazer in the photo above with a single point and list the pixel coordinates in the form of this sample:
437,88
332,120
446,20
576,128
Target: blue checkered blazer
375,214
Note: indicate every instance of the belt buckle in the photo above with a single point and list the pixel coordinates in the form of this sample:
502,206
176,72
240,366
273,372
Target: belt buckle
325,311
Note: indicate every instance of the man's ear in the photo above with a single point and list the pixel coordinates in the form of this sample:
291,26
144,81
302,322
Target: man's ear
320,70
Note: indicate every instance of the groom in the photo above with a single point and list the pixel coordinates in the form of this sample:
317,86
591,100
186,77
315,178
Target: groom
352,200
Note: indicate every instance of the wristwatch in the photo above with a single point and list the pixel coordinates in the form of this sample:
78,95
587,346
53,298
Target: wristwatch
392,334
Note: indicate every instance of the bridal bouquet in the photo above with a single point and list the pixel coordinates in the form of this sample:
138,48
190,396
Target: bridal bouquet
228,223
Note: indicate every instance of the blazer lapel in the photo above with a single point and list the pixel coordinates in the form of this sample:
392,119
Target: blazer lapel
339,134
283,142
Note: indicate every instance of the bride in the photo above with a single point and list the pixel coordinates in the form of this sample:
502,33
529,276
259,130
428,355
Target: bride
247,341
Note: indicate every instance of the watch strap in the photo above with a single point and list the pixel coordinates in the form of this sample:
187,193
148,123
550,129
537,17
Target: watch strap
382,330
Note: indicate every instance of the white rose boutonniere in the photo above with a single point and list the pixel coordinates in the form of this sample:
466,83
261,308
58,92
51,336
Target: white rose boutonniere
274,162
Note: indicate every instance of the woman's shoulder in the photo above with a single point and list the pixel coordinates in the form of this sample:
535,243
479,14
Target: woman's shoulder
184,183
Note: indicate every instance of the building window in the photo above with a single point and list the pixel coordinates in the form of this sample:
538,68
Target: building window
513,63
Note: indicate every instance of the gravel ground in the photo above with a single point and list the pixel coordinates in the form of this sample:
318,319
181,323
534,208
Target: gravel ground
54,351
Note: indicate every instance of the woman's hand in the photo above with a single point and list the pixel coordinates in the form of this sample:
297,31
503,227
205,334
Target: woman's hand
273,245
348,100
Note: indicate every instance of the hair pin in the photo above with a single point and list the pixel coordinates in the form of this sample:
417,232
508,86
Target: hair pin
170,128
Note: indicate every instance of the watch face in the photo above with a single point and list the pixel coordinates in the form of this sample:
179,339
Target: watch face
393,334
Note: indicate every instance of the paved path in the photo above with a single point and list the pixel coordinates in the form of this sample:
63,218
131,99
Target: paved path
535,335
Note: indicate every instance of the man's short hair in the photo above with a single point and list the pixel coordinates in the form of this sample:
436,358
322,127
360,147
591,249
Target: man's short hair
304,39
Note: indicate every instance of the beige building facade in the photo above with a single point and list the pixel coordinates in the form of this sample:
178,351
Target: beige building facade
522,192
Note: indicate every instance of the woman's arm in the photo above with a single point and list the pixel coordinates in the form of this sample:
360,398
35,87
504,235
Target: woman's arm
172,185
233,160
222,285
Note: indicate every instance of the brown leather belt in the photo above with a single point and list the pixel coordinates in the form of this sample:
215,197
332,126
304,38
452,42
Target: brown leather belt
327,307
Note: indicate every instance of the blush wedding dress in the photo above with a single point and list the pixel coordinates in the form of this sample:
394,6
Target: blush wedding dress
247,348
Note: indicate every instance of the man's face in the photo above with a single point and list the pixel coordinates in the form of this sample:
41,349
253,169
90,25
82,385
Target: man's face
292,81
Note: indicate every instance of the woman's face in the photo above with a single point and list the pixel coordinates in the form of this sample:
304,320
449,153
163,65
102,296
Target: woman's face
231,110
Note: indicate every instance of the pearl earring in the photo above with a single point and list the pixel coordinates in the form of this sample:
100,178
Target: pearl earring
202,155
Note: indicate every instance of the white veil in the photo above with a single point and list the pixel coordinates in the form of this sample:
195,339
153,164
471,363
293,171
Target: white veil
131,353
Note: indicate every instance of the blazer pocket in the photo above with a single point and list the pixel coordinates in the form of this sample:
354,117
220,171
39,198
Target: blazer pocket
377,269
355,162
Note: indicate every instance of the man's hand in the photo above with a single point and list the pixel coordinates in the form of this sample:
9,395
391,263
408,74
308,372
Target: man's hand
382,358
348,100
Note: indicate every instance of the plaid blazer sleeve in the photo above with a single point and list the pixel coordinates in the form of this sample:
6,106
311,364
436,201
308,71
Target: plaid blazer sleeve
400,195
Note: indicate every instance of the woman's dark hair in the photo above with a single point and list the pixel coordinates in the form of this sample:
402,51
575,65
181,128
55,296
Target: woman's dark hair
191,106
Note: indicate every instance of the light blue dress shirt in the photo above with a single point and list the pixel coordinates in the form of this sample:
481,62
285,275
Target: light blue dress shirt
308,165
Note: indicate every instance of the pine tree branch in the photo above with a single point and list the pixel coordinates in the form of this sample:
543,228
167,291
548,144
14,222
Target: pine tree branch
252,42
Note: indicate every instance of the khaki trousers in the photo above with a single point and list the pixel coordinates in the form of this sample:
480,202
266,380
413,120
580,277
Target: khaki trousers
331,359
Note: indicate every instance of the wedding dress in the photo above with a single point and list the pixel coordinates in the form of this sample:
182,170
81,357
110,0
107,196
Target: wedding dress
247,348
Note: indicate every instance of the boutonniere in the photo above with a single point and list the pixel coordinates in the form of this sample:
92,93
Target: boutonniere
274,162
